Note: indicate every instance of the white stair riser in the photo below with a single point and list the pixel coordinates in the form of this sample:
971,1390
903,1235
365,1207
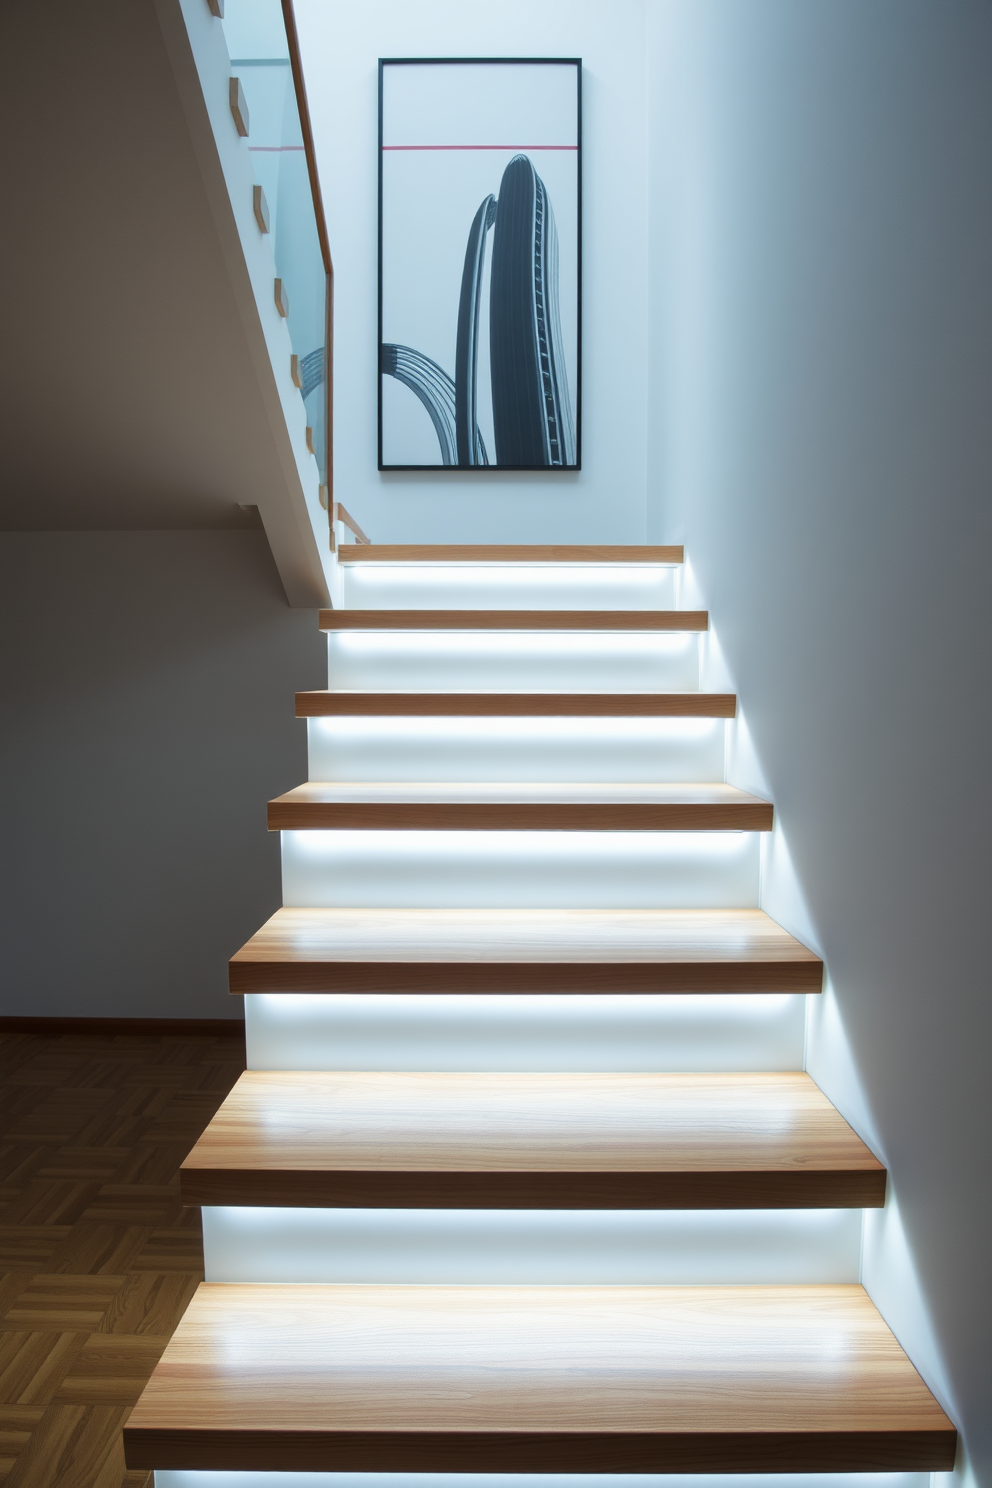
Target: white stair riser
519,749
549,1247
479,586
469,661
289,1031
515,870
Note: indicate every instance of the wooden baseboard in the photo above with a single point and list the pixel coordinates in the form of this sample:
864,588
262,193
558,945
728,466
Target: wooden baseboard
131,1027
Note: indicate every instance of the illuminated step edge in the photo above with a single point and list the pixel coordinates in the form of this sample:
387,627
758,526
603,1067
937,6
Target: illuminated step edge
533,1247
592,622
393,1031
454,949
512,869
526,703
178,1478
406,661
609,750
498,806
342,1139
474,586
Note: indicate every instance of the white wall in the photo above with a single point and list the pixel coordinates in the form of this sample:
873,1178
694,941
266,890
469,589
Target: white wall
821,401
147,685
341,43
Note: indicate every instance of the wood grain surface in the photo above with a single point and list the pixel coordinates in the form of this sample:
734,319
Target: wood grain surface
327,704
467,806
506,553
531,1379
342,514
524,950
624,620
545,1141
98,1260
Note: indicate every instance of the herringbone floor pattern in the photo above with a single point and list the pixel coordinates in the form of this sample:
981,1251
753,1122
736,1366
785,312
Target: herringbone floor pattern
98,1260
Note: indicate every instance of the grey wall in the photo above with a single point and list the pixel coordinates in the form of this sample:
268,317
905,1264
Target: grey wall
147,683
821,398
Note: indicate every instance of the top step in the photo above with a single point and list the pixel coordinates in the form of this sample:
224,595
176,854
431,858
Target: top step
506,553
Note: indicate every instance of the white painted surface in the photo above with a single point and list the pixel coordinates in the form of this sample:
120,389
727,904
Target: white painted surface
540,1247
514,661
340,44
513,586
584,1032
822,372
604,749
547,870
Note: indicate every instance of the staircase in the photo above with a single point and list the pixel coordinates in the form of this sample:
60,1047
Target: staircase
525,1175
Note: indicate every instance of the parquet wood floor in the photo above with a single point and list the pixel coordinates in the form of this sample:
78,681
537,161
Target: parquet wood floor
98,1261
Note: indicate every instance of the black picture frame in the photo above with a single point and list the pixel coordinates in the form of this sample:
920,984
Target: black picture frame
463,462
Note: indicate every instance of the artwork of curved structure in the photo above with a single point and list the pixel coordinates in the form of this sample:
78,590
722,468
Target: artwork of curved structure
432,386
532,413
436,391
311,371
471,450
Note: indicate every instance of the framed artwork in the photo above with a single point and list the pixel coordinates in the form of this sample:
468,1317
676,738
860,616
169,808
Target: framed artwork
480,263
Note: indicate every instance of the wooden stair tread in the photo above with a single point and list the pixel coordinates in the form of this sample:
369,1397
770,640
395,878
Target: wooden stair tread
623,620
483,1140
327,703
549,950
529,1379
508,553
471,806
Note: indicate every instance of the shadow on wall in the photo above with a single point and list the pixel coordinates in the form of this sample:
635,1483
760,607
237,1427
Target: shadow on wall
822,343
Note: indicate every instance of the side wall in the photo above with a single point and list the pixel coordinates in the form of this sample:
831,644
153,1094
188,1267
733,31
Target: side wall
341,43
147,685
821,386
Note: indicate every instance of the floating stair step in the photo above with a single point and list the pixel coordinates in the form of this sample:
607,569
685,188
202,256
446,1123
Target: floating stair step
466,806
341,1378
491,553
636,620
326,704
530,1141
524,950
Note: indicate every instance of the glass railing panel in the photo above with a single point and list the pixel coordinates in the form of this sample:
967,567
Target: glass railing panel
257,44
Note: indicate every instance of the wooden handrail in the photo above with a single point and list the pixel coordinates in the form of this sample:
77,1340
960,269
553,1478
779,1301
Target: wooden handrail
342,515
303,107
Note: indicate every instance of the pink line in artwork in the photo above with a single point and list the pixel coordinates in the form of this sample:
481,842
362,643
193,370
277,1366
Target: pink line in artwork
274,149
480,147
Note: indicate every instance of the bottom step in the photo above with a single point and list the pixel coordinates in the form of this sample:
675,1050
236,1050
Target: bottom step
536,1380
